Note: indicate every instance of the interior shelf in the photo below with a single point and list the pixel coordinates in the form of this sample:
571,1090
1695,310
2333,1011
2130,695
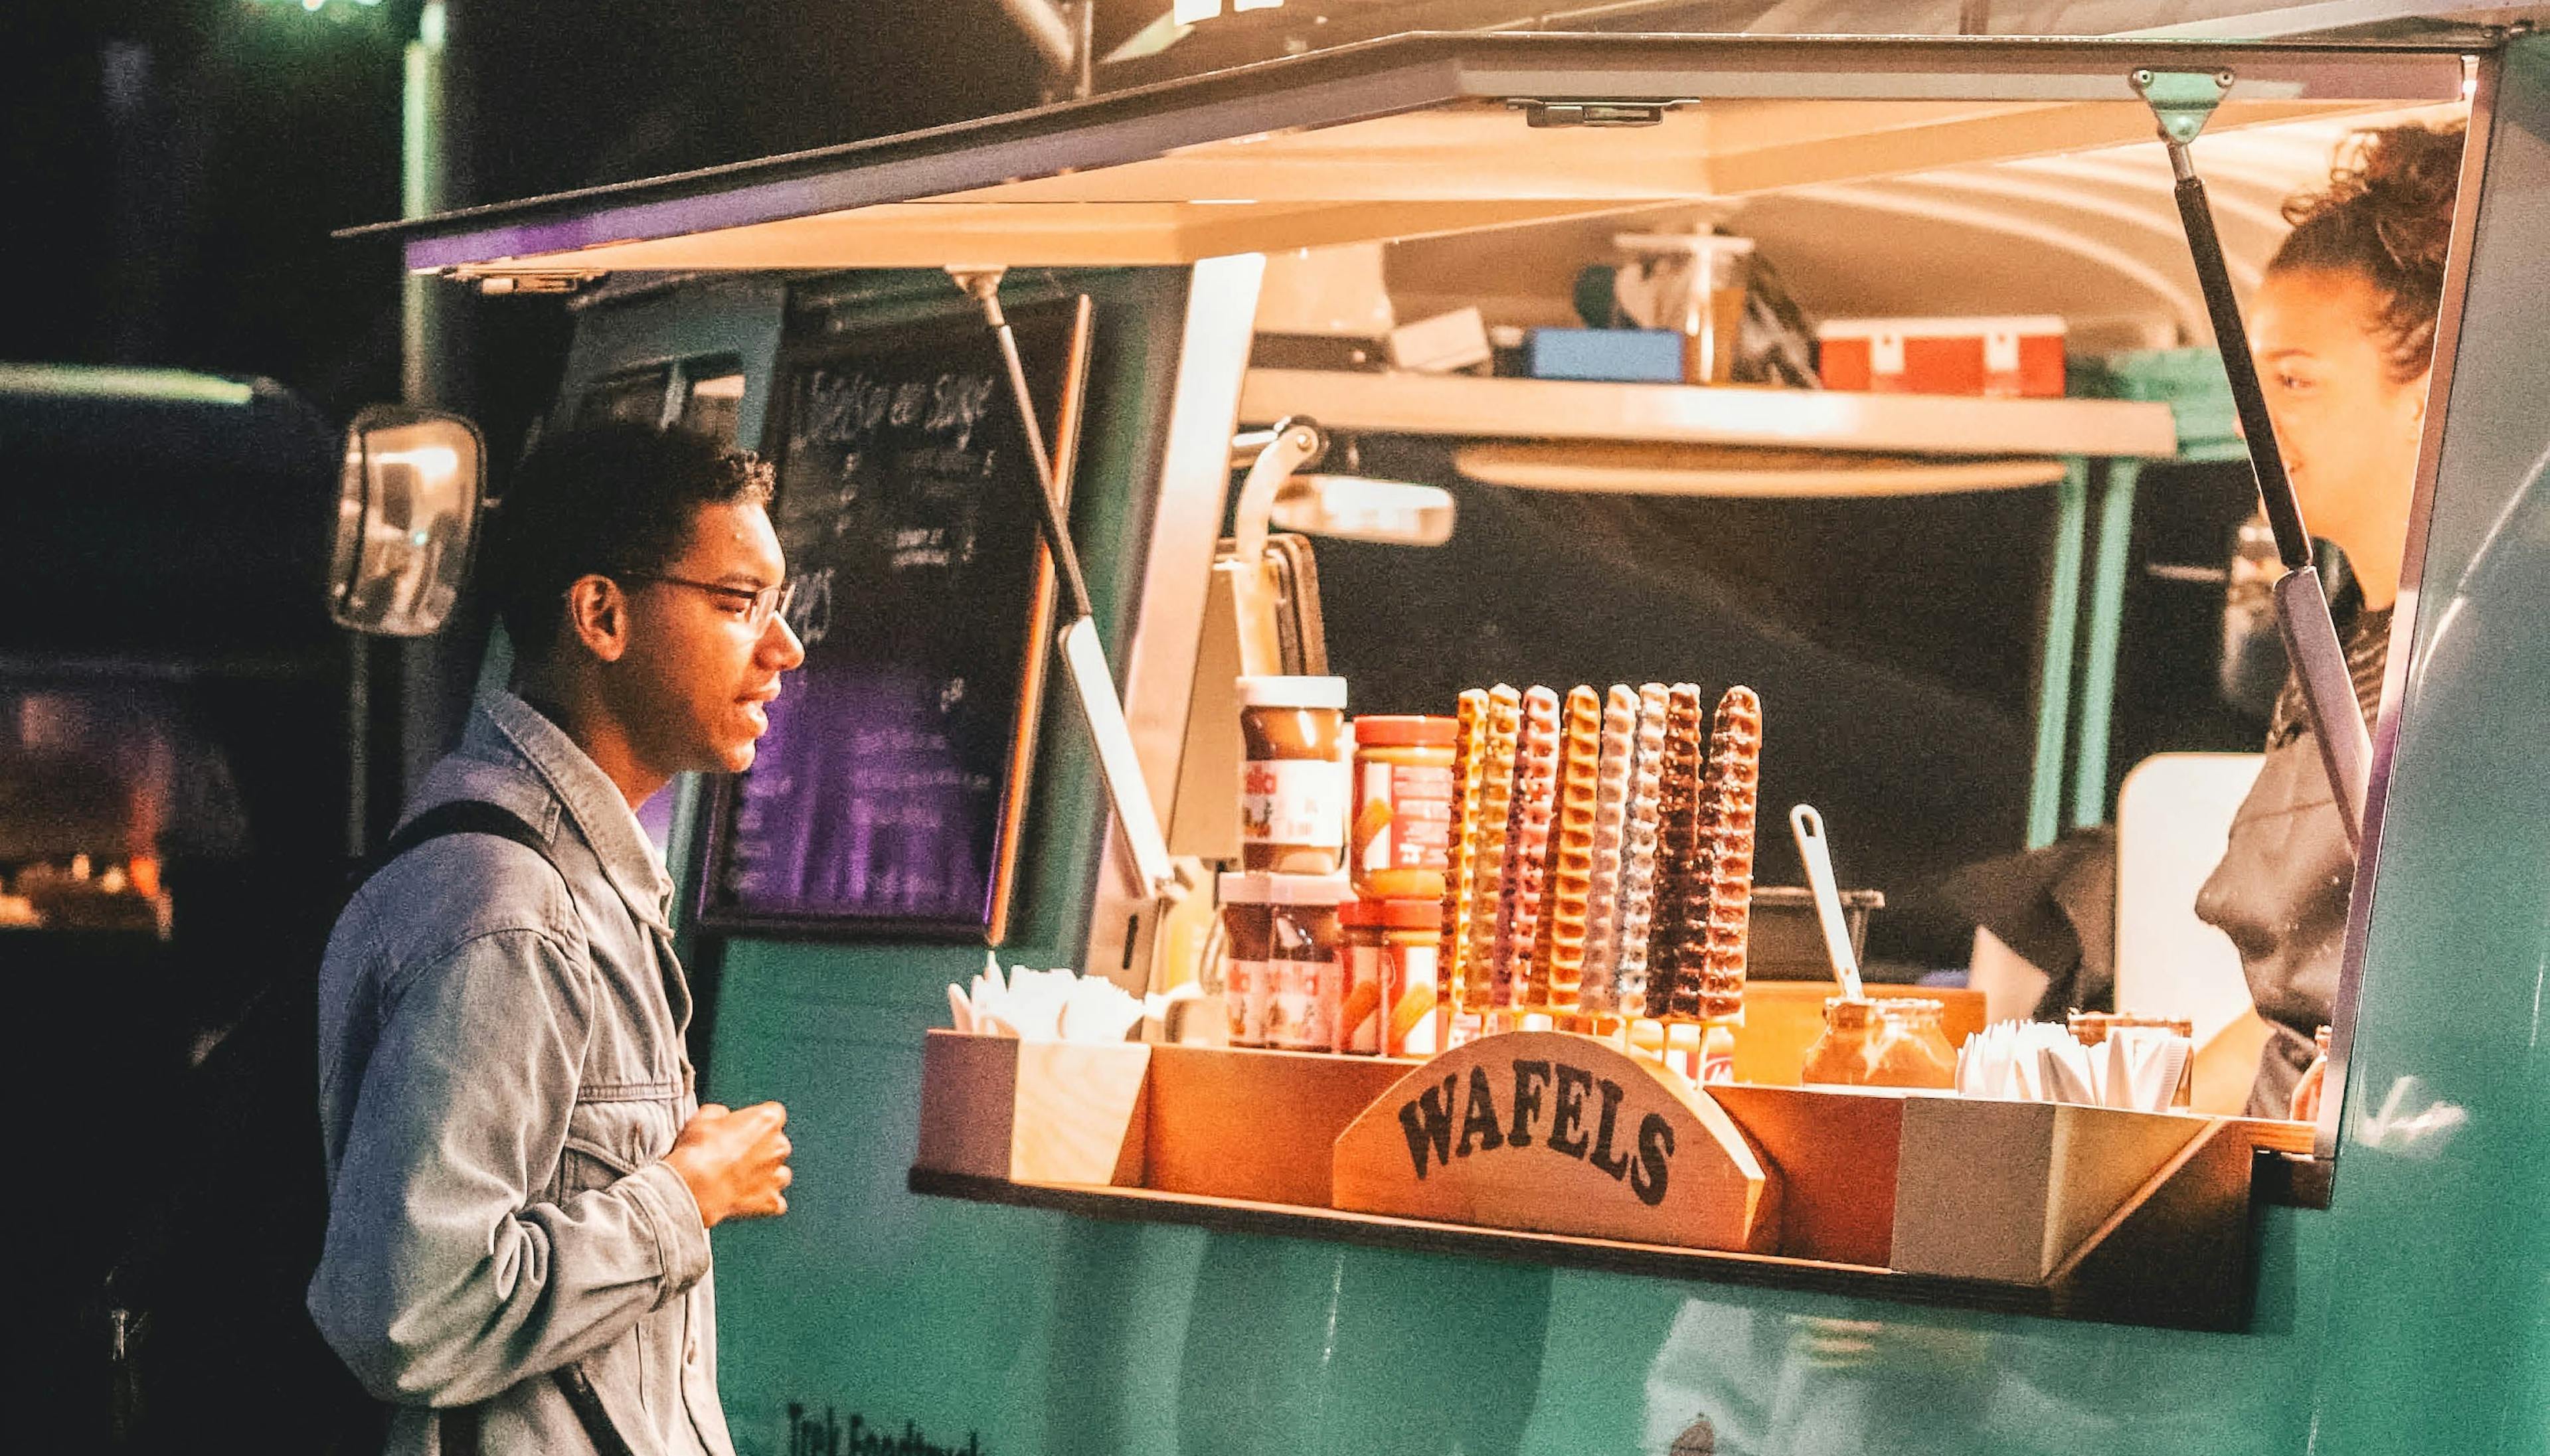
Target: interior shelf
1471,407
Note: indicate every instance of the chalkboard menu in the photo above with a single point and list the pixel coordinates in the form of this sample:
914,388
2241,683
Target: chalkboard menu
887,796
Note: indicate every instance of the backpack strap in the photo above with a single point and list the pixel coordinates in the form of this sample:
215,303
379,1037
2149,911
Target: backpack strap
460,1426
460,816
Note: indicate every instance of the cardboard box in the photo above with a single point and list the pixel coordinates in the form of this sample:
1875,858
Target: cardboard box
2012,357
1441,344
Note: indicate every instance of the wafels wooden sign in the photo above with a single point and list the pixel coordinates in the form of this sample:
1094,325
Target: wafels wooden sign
1560,1135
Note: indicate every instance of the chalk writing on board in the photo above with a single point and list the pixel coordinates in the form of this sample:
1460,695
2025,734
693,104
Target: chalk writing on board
878,793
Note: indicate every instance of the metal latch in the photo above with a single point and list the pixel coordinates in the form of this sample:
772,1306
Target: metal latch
1592,112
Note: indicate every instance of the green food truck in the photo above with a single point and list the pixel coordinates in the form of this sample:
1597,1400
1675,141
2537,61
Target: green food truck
1968,612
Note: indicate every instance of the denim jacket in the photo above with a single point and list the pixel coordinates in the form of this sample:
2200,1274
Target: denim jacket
501,1074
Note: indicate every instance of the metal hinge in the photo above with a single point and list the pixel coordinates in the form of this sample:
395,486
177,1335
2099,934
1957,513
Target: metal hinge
2181,101
527,280
1592,112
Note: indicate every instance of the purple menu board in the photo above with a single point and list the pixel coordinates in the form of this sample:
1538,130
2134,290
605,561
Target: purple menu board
885,798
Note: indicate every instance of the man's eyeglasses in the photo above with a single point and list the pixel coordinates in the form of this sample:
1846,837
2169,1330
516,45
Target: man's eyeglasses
759,605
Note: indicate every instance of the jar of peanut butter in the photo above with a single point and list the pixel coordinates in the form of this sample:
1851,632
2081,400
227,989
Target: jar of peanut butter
1392,950
1283,984
1294,784
1400,833
1914,1051
1843,1055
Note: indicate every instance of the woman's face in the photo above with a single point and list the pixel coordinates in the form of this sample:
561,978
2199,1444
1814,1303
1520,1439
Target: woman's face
2348,427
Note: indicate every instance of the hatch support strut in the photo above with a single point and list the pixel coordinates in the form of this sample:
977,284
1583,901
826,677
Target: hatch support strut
2182,102
1084,658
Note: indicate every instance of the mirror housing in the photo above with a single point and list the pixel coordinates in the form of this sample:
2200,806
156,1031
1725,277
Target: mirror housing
407,518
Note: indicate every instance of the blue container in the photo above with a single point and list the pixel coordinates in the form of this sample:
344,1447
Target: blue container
1626,355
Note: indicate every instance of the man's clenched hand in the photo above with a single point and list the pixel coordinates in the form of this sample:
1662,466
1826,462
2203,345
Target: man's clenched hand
735,1164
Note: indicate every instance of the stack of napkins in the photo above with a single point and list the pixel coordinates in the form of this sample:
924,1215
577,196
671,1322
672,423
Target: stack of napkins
1045,1005
2137,1068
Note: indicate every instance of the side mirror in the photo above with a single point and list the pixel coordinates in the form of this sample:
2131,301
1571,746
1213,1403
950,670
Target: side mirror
1357,507
406,515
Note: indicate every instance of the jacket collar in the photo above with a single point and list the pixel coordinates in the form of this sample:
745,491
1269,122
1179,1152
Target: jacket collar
504,726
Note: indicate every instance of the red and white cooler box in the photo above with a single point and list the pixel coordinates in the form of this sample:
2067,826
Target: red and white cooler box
2009,357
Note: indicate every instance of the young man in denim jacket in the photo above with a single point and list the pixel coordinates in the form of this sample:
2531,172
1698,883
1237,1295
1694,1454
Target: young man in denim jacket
522,1177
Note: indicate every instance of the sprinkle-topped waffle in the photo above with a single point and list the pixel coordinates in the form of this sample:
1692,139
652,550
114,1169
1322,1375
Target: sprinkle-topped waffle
1559,961
1640,845
1489,866
1729,802
1535,806
1597,991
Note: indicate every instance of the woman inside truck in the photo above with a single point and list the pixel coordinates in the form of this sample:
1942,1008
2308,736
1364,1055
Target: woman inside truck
2343,328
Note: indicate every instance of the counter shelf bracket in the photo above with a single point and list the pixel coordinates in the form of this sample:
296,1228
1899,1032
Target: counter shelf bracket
2182,102
1084,658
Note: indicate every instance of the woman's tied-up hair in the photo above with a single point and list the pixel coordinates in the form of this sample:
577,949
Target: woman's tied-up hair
2385,216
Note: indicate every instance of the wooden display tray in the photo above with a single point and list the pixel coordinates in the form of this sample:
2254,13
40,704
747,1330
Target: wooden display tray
2036,1209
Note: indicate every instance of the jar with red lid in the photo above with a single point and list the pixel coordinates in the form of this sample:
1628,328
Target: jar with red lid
1392,978
1401,837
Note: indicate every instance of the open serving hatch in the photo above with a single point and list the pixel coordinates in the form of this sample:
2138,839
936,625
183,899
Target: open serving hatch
1403,138
1430,134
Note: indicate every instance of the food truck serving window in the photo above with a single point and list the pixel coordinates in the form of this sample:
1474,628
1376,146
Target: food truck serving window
1924,647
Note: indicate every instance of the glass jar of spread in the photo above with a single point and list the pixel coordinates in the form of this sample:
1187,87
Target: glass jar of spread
1399,833
1294,784
1915,1050
1283,985
1841,1056
1392,953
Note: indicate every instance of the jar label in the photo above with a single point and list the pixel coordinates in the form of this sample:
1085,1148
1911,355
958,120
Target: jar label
1412,985
1302,1005
1402,818
1366,983
1245,991
1293,801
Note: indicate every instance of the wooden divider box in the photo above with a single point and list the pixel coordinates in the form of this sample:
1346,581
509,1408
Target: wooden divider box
2134,1215
2008,1190
1243,1123
1033,1111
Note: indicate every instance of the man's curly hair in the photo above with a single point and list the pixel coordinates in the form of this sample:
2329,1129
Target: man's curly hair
606,500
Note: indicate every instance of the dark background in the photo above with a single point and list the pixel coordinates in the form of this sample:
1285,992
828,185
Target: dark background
172,169
169,174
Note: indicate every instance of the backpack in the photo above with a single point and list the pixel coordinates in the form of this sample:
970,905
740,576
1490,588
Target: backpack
207,1332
